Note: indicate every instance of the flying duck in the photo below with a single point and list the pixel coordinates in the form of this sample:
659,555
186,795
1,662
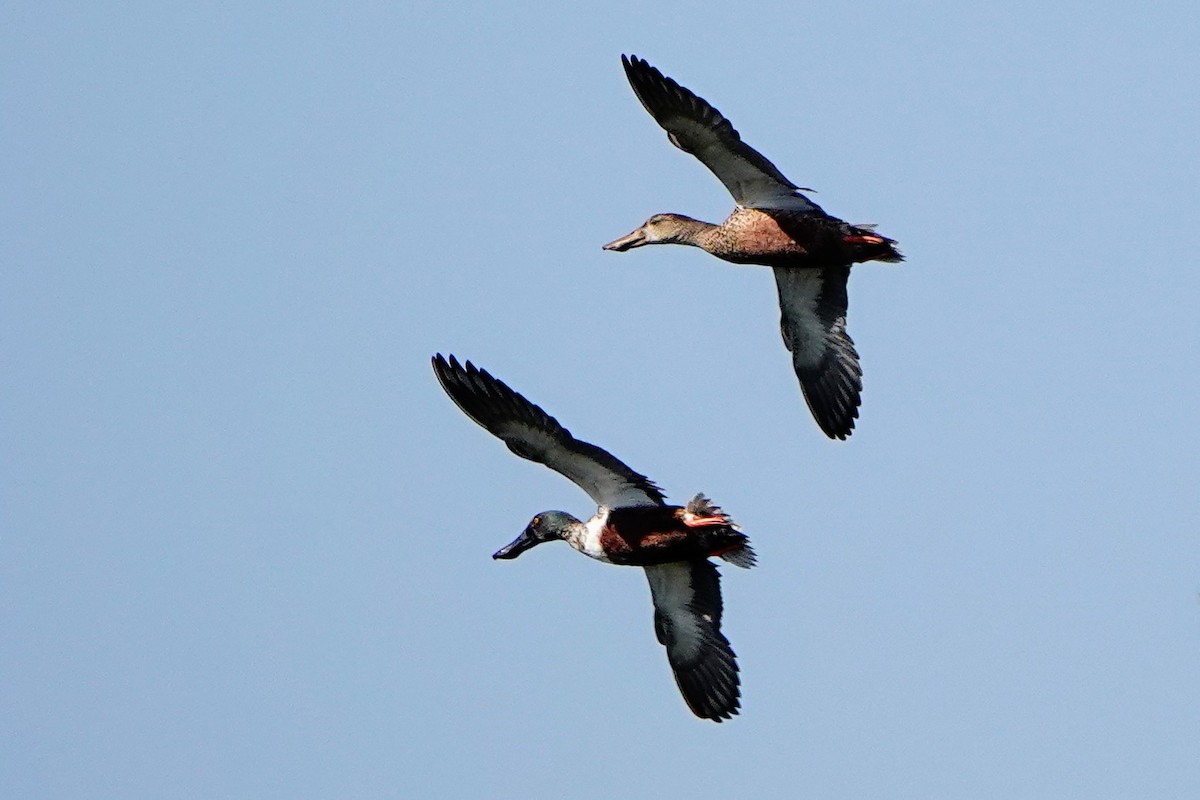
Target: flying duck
633,526
773,225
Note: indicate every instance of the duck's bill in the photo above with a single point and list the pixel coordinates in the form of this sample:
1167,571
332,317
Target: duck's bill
635,239
516,546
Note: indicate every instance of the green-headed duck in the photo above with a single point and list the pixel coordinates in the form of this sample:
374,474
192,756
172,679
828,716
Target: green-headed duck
633,526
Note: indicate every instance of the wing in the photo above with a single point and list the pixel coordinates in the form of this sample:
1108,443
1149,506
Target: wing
687,621
813,307
533,434
696,127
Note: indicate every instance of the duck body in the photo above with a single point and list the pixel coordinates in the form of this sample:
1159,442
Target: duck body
640,536
783,238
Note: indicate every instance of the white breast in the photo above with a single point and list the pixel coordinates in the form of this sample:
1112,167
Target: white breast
587,539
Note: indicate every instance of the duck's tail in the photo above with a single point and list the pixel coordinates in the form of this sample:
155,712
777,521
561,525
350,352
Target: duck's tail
870,246
735,546
741,555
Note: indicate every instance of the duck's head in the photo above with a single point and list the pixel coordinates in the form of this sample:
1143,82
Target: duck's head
660,229
545,527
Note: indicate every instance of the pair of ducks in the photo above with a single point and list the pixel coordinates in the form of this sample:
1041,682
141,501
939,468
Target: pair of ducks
810,253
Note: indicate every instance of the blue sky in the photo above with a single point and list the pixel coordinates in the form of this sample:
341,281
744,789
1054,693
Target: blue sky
246,539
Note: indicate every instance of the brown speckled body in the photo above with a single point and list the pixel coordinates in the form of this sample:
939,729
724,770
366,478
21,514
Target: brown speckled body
780,238
644,535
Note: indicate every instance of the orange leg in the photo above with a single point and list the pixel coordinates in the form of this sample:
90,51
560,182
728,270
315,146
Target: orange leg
865,239
700,522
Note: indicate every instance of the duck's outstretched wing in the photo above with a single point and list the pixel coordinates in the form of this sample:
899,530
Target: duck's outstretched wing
813,303
533,434
696,127
687,621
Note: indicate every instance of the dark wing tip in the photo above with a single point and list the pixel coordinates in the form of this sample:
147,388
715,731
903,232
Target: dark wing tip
639,70
711,686
631,62
834,394
664,97
488,400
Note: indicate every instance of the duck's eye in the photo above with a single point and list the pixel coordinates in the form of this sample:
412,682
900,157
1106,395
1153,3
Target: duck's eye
536,521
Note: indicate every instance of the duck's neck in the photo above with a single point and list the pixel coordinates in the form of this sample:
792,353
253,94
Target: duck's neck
695,232
585,536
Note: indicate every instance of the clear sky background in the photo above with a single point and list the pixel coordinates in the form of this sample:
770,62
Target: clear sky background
245,539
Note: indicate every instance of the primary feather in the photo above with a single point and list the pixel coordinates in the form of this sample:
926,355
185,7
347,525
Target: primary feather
533,434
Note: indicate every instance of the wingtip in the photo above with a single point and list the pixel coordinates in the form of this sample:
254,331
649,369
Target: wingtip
834,407
448,367
630,63
711,695
837,425
439,364
466,383
645,77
